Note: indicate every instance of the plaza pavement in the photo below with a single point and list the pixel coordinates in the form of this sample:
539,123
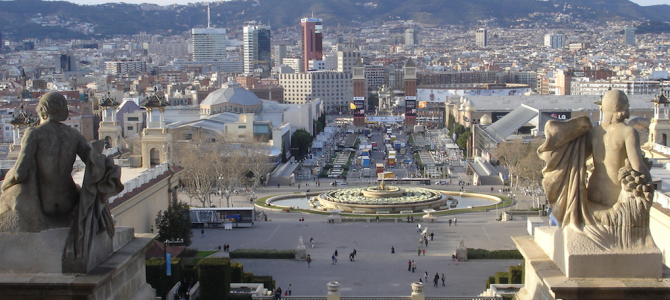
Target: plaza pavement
376,271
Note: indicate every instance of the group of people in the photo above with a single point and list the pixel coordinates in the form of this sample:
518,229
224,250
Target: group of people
277,293
226,248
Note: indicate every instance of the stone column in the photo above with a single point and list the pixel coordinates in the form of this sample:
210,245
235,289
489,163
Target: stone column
417,291
334,291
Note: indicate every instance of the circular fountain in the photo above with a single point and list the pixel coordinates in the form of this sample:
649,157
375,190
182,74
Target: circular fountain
382,198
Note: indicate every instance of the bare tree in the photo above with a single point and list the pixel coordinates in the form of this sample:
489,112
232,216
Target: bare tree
258,161
230,166
199,174
521,160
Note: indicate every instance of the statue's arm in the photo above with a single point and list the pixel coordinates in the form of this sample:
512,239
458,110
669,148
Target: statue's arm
634,154
83,147
24,162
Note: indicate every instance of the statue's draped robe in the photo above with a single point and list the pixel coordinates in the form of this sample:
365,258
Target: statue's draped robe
624,225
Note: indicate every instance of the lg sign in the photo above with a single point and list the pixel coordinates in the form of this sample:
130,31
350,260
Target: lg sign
563,115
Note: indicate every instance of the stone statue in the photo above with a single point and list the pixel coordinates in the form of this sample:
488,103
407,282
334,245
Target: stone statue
38,193
382,186
612,206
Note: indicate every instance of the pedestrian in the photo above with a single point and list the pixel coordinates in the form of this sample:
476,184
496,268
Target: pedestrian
309,261
409,265
377,219
443,280
418,251
432,235
436,279
413,266
351,256
449,222
455,221
332,258
277,185
278,293
289,289
298,185
202,232
426,240
392,250
424,252
412,218
335,252
425,276
407,219
355,252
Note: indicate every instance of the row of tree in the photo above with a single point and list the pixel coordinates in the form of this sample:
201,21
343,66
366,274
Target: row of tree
221,167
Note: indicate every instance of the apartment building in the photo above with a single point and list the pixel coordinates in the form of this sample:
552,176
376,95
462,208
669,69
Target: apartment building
335,89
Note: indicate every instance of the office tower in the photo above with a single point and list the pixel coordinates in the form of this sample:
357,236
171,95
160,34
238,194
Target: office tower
629,33
346,60
257,49
333,88
209,44
480,37
280,54
553,40
312,38
66,63
411,37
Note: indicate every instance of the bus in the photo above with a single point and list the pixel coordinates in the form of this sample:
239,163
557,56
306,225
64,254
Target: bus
219,216
407,181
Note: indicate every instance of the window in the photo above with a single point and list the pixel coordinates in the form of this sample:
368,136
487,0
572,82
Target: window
129,128
241,126
133,119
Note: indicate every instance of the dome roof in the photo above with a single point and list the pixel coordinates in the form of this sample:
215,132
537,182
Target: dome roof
231,93
467,106
485,120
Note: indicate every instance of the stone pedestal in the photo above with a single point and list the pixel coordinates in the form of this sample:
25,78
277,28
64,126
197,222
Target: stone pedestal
335,216
544,280
576,255
333,291
462,253
417,291
429,217
122,275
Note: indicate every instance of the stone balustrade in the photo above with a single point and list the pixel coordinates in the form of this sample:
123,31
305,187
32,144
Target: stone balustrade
143,178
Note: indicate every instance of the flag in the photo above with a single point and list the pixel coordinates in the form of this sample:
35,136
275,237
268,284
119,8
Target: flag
352,105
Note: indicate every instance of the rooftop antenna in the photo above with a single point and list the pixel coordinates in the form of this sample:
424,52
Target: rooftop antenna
312,14
208,15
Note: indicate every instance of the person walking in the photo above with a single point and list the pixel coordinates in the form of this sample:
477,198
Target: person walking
202,232
424,252
409,265
309,261
449,222
432,235
455,221
426,241
436,279
418,251
351,256
425,275
413,266
443,280
289,289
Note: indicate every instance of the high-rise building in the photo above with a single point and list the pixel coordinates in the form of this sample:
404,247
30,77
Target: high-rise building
629,33
410,92
553,40
125,67
209,44
360,90
66,63
312,39
411,37
257,49
280,54
480,38
346,60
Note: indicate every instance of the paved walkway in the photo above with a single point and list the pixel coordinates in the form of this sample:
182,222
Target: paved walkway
376,270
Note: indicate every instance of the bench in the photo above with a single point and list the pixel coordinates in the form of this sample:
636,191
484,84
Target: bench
406,211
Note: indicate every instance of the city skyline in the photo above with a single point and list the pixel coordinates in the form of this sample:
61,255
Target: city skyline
182,2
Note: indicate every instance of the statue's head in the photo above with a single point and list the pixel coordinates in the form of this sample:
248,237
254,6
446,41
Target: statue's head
52,107
616,102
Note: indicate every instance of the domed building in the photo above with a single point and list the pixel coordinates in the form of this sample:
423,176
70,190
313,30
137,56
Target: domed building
232,97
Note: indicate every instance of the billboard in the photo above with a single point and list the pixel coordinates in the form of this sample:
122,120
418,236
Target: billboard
359,111
495,116
410,107
559,115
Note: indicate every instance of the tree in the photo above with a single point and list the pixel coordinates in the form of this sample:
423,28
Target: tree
174,223
520,159
462,140
199,174
258,162
301,141
373,101
230,166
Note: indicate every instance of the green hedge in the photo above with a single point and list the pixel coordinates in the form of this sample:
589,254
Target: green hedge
189,271
236,272
214,274
238,296
515,274
491,280
262,253
495,254
156,277
502,278
266,280
247,277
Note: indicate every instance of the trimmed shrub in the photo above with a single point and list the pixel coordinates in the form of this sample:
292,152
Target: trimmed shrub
188,252
515,274
236,296
247,277
236,272
262,253
214,274
502,278
266,280
491,280
495,254
156,277
189,272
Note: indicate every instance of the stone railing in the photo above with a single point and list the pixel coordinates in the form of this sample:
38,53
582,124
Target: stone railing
662,199
143,178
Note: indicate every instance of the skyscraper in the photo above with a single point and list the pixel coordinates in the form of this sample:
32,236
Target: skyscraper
209,44
280,54
312,38
553,40
411,36
257,49
629,33
480,37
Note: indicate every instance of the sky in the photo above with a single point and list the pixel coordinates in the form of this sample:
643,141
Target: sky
166,2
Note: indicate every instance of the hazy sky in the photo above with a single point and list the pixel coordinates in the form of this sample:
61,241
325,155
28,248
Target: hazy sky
165,2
